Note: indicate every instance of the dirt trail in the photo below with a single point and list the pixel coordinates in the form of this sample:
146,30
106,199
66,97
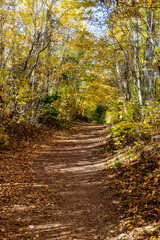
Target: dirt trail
72,168
75,172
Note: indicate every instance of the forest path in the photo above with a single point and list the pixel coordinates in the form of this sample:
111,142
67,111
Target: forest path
76,173
80,202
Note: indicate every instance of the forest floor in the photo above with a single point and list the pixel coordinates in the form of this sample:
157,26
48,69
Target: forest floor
60,187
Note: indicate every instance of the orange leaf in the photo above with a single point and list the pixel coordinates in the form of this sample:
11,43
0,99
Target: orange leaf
158,210
149,3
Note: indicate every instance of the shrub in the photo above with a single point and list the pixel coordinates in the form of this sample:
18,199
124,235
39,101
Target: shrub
151,112
129,132
100,112
3,137
49,113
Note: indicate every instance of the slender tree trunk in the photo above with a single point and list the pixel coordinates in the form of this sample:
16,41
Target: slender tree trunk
117,63
118,69
137,56
149,74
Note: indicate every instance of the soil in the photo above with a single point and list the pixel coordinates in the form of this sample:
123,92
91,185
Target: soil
66,195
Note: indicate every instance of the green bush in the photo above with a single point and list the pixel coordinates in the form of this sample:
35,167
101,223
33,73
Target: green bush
129,132
49,113
100,113
51,98
3,137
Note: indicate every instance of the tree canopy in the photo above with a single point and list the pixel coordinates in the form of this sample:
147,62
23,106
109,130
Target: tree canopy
89,53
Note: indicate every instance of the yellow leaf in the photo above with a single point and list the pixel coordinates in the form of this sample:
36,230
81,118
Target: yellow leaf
149,3
156,180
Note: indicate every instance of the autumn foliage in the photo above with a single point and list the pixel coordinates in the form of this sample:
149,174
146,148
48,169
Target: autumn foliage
68,60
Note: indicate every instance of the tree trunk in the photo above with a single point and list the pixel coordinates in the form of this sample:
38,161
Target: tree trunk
149,74
137,56
118,69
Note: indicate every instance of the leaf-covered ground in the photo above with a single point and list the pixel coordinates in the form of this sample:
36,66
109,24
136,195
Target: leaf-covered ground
136,177
21,193
72,184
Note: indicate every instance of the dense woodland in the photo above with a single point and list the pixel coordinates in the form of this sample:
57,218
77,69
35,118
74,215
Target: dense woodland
60,60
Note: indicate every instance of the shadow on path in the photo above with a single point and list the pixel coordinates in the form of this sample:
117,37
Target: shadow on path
74,171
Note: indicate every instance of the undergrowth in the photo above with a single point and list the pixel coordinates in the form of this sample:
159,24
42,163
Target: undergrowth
129,132
136,178
133,154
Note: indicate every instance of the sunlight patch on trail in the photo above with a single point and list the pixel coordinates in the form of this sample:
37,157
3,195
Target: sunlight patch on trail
88,140
48,227
85,168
